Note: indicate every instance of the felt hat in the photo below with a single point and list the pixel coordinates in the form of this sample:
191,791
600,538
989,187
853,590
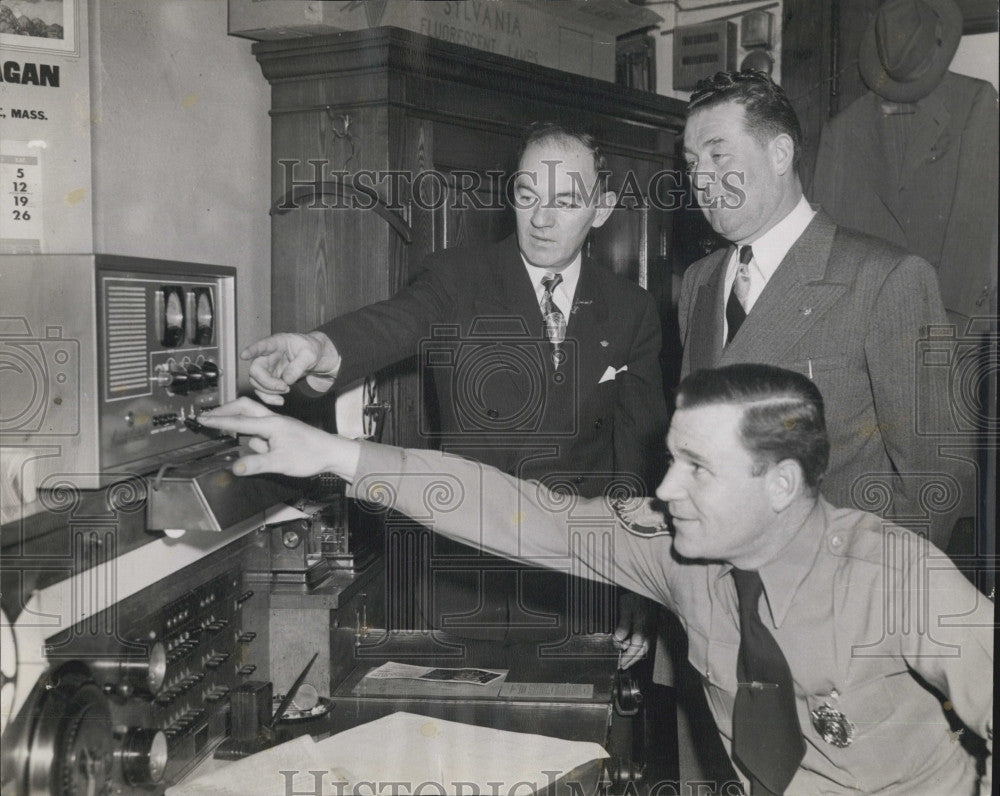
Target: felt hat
908,46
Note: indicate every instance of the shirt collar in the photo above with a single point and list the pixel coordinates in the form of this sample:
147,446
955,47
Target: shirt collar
771,247
564,292
783,575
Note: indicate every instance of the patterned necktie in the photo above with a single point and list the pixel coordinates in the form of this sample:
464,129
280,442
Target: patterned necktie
736,311
555,321
767,738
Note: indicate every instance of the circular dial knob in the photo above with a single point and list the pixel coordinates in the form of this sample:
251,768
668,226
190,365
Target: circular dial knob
143,755
195,378
211,373
162,376
178,379
143,673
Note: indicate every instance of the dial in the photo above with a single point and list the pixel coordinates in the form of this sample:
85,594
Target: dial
144,756
126,673
211,373
157,670
170,312
178,379
204,317
195,378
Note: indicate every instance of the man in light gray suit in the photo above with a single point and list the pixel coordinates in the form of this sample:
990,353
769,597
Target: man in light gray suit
797,291
847,310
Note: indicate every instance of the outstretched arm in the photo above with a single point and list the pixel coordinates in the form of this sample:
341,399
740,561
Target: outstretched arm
283,444
459,498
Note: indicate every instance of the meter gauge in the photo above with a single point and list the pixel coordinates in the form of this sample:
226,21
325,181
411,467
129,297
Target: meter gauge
201,316
170,315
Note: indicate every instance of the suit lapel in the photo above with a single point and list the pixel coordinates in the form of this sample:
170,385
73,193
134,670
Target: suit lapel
867,143
705,344
931,140
510,292
795,298
588,325
506,309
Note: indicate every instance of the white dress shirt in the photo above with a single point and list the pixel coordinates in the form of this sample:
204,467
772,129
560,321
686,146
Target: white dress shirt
768,252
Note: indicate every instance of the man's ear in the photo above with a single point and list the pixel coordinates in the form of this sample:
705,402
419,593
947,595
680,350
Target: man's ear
785,481
783,153
605,206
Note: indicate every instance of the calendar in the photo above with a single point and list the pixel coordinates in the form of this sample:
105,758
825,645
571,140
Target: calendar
20,198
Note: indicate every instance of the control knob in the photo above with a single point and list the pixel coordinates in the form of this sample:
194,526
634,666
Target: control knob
162,376
143,755
211,373
195,378
178,379
126,674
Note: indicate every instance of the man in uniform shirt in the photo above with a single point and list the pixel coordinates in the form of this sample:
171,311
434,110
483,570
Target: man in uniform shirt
835,682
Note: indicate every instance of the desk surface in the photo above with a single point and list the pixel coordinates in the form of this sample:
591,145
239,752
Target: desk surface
590,660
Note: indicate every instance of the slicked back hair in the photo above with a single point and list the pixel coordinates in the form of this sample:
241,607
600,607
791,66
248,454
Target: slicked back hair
768,110
782,414
538,132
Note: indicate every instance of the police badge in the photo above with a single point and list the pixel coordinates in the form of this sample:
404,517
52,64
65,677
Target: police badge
832,725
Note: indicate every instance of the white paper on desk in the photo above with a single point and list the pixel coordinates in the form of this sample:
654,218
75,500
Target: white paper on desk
404,747
262,773
435,674
417,753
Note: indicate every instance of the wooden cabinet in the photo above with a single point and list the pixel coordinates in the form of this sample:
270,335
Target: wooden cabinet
375,104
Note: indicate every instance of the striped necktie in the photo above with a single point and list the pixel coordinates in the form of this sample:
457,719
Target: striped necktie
736,311
555,321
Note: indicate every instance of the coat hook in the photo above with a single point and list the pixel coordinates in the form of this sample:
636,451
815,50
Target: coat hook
345,121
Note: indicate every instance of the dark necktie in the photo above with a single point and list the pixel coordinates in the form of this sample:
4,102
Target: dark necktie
767,738
555,321
736,311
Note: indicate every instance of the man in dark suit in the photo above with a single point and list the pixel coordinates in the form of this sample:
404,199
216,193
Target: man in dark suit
798,291
545,364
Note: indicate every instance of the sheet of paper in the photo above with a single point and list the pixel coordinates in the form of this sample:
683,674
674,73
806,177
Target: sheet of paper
437,674
402,754
286,768
405,747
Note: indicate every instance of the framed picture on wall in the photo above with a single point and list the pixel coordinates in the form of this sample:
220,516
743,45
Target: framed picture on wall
40,25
